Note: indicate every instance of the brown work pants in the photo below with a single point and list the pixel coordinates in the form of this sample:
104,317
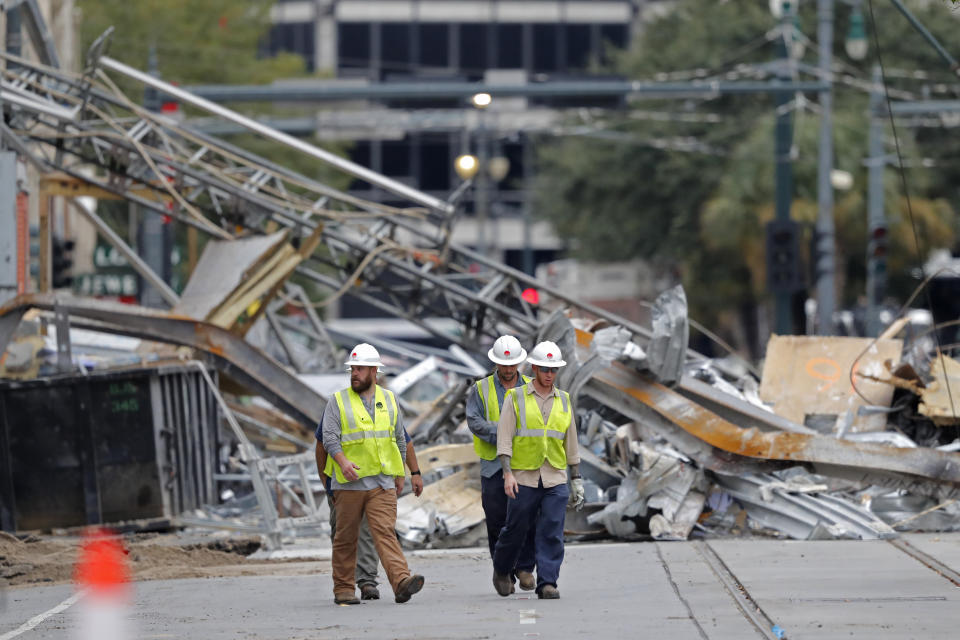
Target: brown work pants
380,507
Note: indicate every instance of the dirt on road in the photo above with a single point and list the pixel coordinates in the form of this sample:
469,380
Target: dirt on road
35,560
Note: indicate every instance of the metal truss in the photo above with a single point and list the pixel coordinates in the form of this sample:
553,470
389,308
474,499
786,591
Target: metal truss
397,258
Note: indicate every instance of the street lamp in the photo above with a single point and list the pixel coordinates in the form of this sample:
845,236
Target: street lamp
856,42
481,100
466,166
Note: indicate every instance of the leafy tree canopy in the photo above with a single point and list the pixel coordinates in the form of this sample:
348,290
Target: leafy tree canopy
213,41
694,186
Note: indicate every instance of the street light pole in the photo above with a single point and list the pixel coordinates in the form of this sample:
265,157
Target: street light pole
876,217
483,184
826,296
782,256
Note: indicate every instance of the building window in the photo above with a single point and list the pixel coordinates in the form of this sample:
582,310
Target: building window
396,49
353,45
396,158
545,48
434,41
473,49
614,34
293,37
578,46
436,163
509,46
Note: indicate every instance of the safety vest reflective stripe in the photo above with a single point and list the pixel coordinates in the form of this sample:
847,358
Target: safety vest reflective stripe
362,435
352,420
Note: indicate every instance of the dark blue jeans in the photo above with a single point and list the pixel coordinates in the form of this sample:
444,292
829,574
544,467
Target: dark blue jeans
494,502
522,514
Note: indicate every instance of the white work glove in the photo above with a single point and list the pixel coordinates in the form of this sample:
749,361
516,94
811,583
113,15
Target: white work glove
576,493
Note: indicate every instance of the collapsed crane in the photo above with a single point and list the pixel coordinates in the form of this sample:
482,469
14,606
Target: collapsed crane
398,257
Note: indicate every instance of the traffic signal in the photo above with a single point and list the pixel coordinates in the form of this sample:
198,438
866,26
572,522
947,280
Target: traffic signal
62,262
34,251
783,257
877,264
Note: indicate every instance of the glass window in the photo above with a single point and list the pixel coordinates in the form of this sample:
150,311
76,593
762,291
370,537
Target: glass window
545,48
353,44
616,34
434,42
436,164
509,46
473,49
578,46
396,158
293,37
395,50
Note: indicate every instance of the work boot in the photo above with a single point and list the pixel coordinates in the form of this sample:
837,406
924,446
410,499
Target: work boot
407,587
502,583
526,579
548,592
369,592
346,598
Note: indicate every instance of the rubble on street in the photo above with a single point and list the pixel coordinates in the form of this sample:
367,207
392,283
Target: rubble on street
839,437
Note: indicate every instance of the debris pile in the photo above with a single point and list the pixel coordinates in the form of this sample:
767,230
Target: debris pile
837,437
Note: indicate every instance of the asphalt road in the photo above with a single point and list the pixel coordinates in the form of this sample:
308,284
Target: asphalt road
725,589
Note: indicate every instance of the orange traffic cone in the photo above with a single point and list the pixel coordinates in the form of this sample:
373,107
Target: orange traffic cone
103,573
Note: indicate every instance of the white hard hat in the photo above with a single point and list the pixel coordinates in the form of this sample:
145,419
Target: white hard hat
507,350
364,355
546,354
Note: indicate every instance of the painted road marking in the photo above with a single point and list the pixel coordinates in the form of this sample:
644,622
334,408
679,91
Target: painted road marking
37,619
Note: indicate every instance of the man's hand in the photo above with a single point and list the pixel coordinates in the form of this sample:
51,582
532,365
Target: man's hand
348,468
398,483
576,493
417,482
510,486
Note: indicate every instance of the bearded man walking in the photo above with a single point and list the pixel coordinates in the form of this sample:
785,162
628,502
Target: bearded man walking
363,435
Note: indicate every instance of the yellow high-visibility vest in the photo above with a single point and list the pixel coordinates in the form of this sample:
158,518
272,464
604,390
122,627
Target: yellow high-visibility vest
370,443
491,407
535,441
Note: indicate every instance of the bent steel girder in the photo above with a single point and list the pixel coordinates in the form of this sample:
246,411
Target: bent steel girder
621,386
232,355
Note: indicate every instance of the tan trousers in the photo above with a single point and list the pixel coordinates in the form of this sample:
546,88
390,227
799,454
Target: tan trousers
380,507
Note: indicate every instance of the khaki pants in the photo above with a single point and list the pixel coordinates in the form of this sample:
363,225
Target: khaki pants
380,507
367,559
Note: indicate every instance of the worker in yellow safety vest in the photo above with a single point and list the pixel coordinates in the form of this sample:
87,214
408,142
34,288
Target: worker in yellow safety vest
536,442
363,436
483,414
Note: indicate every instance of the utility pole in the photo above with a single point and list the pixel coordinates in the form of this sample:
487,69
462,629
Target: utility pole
781,233
826,296
482,200
152,234
876,216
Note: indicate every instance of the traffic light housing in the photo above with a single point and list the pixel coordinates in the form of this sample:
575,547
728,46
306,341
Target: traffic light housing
62,262
783,257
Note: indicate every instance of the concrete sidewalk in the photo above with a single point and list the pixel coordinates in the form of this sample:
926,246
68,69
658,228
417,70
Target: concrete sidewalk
824,589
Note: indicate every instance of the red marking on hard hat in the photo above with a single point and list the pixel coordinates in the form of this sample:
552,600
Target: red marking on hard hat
102,563
549,355
506,353
354,354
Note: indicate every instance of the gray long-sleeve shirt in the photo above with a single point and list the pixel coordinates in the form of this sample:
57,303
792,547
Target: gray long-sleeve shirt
485,429
328,432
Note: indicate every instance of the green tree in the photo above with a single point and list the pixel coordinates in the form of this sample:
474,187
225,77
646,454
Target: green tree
214,41
643,190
